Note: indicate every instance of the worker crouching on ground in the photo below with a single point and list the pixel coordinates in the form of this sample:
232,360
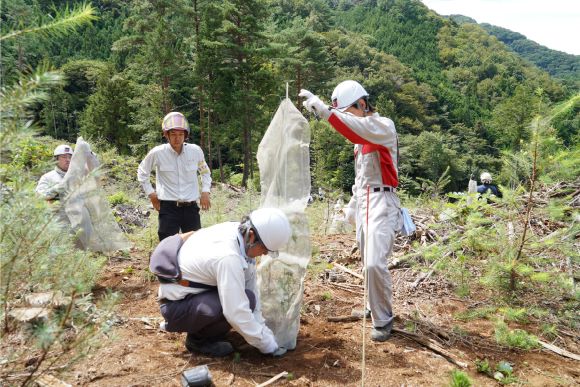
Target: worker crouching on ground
376,159
487,187
50,184
219,265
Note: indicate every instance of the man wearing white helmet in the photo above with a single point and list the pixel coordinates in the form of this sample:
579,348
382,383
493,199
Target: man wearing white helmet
486,185
50,184
176,166
218,289
376,158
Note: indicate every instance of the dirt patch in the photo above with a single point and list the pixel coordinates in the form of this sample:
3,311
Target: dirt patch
327,353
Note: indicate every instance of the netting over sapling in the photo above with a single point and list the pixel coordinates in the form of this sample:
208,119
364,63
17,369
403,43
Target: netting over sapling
284,162
85,205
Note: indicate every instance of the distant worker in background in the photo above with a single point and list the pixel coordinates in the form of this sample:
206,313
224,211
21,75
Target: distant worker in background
176,192
50,184
220,289
376,158
486,185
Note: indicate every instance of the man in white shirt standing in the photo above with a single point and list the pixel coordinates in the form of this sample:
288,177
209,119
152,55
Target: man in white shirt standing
176,192
50,184
218,290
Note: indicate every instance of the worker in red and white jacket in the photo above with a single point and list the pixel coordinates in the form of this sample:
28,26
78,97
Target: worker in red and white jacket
375,151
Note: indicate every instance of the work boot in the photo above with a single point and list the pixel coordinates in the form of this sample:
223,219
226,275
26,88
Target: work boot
207,347
382,333
359,313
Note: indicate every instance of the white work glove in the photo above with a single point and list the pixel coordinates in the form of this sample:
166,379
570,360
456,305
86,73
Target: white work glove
279,352
313,104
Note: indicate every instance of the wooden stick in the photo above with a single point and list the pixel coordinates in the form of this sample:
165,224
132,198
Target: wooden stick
347,270
272,380
343,318
433,346
559,350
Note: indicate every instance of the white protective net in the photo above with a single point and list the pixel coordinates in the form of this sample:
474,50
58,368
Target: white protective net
284,161
85,205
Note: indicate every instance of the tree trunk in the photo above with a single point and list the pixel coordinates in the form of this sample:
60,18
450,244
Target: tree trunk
219,154
202,141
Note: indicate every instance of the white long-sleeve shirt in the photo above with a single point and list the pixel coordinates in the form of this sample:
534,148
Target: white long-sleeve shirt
175,174
50,184
215,256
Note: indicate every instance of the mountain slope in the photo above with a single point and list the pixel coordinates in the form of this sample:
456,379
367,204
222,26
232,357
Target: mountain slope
556,63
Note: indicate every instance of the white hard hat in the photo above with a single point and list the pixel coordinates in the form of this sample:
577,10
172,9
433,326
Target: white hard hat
485,176
273,228
347,93
62,149
175,120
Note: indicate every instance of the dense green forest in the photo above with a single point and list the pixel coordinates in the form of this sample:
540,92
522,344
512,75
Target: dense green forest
556,63
461,100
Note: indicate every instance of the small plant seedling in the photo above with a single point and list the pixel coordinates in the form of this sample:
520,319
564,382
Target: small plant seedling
459,379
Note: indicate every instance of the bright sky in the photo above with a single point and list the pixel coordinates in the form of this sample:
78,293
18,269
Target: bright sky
551,23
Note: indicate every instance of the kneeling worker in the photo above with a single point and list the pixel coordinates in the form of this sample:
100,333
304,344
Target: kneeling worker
219,264
486,185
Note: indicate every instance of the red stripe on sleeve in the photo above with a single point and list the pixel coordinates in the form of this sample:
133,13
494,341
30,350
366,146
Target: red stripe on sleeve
347,132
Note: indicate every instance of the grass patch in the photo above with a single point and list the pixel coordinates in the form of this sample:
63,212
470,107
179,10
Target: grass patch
475,314
517,338
459,379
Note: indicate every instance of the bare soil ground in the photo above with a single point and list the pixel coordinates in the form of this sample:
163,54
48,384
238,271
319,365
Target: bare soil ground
327,353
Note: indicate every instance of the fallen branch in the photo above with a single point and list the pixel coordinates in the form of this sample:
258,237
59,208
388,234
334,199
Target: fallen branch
343,318
424,341
270,381
346,289
559,351
347,270
433,346
423,276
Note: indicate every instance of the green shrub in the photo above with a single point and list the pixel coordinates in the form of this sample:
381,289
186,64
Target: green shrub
518,314
459,379
475,314
236,179
118,198
517,338
483,367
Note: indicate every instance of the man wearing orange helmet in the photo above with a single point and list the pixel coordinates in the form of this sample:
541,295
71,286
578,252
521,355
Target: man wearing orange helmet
376,159
176,192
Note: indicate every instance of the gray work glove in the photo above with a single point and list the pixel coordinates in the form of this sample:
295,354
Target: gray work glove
279,352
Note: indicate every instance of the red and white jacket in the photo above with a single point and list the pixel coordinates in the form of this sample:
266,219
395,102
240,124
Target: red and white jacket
375,150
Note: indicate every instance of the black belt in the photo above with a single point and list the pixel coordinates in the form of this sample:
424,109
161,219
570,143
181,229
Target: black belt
385,189
180,204
188,284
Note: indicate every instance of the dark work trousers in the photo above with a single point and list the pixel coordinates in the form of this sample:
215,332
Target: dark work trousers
200,315
172,219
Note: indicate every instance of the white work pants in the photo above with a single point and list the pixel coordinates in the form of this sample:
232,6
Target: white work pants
384,219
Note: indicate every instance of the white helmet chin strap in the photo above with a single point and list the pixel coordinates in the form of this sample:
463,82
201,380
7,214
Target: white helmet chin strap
247,243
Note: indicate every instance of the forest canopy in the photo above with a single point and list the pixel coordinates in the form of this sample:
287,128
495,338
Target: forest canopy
459,97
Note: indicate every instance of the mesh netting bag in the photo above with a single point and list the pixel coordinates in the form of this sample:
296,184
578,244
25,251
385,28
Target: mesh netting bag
284,162
85,205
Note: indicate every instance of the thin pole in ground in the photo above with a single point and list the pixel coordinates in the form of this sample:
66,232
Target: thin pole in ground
365,285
